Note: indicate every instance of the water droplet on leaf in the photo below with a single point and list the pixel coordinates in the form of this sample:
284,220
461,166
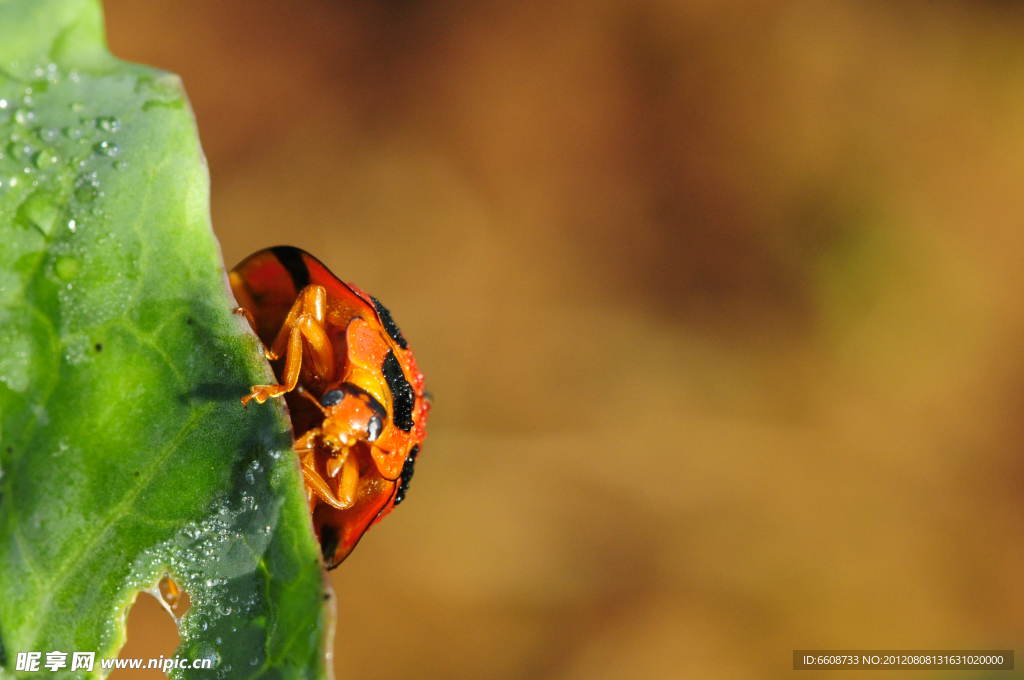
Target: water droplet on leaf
108,123
24,116
46,158
20,150
67,267
39,210
107,148
86,193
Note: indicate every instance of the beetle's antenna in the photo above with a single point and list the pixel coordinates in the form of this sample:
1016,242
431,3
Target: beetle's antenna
302,392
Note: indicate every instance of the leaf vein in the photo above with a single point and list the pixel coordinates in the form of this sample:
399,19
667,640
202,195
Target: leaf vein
116,513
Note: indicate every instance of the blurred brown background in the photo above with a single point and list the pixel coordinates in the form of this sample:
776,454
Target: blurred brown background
720,302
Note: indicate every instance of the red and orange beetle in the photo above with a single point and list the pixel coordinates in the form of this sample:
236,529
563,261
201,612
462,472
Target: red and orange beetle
355,394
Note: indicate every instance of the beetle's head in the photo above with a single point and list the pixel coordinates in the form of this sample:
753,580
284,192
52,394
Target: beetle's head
351,415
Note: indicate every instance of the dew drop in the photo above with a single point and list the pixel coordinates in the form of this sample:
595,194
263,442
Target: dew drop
107,148
72,226
47,134
46,158
108,123
87,193
20,150
24,116
39,210
120,165
67,267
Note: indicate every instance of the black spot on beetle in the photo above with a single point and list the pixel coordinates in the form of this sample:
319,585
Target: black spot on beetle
389,324
99,347
407,471
329,540
402,394
291,259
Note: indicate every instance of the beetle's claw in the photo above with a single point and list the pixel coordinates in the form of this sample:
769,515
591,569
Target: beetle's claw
263,392
248,316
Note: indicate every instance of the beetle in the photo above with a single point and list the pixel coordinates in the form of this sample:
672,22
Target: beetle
355,394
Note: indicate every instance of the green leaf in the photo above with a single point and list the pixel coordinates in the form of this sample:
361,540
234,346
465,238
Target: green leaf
124,450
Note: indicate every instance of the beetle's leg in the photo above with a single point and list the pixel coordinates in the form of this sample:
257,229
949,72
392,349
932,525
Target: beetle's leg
252,324
346,463
321,349
305,446
312,301
307,442
322,354
280,343
293,362
304,322
349,479
317,485
248,316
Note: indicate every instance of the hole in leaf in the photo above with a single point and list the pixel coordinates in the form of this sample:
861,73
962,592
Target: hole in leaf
151,634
